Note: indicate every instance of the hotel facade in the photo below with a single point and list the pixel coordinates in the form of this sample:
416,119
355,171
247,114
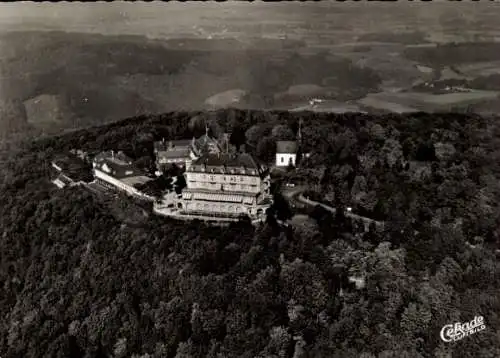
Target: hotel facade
222,187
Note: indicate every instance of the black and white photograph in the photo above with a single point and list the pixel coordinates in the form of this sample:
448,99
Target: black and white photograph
250,179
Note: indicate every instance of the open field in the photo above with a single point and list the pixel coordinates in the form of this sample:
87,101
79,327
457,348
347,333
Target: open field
330,108
445,99
480,68
378,103
226,99
410,101
386,59
46,109
128,60
455,53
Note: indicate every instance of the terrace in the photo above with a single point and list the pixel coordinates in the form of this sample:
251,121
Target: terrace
220,219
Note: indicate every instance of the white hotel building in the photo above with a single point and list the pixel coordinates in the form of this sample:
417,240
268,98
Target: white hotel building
223,186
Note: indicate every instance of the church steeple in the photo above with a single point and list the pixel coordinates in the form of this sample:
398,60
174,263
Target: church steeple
299,132
299,143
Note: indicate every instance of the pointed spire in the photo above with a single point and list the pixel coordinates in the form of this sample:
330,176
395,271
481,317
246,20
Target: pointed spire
299,133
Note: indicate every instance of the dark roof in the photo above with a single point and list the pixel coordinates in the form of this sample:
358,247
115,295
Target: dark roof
205,142
68,162
165,145
116,165
242,163
180,153
286,146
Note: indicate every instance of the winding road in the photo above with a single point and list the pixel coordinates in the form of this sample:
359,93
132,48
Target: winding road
296,198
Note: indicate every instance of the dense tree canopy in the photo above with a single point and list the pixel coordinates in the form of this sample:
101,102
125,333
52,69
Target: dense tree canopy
78,281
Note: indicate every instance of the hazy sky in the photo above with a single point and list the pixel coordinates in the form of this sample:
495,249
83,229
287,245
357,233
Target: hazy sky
149,18
122,17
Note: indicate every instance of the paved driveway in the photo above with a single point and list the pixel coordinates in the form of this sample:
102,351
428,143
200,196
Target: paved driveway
296,199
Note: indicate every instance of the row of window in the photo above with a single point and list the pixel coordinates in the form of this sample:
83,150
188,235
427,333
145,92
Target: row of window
214,178
232,171
217,207
228,187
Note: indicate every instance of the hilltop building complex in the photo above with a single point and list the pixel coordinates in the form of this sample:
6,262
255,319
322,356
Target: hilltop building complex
221,187
219,184
183,152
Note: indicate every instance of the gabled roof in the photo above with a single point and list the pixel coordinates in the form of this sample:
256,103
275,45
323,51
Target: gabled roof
205,142
116,165
286,147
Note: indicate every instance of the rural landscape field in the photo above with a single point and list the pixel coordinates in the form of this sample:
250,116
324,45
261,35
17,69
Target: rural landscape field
59,71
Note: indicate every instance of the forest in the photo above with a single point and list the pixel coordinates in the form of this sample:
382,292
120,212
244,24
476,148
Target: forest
78,282
454,53
410,38
489,83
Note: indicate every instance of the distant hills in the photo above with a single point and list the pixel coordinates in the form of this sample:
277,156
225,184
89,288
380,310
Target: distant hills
89,79
54,80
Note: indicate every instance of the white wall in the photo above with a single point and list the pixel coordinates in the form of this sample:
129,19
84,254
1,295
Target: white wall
216,207
283,159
